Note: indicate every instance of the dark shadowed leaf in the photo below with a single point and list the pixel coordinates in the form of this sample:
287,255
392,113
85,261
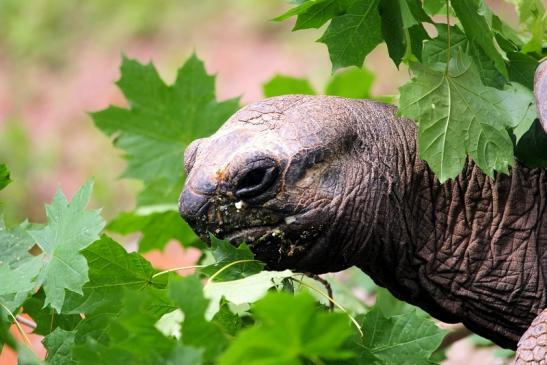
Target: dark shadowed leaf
352,36
45,318
187,294
4,176
532,147
522,68
314,13
471,14
224,254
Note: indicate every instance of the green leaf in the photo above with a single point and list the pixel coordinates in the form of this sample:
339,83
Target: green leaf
187,294
457,115
391,306
283,85
352,36
224,253
162,120
401,339
412,13
392,29
532,15
471,14
15,244
402,29
520,107
59,344
5,336
157,228
479,341
159,193
242,291
351,83
134,330
4,176
290,330
128,335
532,147
434,7
185,355
436,50
314,13
45,318
111,269
522,68
70,229
230,321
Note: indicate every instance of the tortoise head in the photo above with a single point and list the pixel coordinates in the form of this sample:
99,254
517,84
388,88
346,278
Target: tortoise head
283,176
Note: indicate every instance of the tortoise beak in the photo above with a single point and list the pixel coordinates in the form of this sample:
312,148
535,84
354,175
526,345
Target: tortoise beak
193,209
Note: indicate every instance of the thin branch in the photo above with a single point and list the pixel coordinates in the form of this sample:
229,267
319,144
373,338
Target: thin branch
26,322
327,286
17,325
226,267
330,299
458,332
448,51
176,269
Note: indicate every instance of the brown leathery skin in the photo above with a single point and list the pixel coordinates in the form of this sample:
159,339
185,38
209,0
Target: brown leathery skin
471,250
532,347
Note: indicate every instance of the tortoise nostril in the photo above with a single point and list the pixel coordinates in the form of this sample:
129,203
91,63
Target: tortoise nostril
256,181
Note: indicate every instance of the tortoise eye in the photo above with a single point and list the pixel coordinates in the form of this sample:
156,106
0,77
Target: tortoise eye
256,181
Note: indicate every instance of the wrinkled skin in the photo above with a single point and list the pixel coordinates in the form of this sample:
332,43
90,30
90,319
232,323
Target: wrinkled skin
318,184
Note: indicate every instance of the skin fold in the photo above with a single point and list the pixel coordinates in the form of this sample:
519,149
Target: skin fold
318,184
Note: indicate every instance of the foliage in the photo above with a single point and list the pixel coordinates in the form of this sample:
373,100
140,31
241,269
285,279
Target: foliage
4,176
471,86
96,303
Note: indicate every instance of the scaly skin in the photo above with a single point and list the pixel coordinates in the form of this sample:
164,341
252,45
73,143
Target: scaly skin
347,188
533,344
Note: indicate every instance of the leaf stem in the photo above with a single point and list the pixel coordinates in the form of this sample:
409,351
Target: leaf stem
176,269
448,55
226,267
333,302
17,325
26,322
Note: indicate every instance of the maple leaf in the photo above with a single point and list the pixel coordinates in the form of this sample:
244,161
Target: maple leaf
70,229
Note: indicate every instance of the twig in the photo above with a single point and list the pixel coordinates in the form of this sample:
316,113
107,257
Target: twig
448,35
210,280
26,322
457,333
176,269
326,284
331,299
17,325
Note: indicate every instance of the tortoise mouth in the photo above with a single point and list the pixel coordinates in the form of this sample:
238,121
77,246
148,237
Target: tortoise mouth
282,245
253,235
